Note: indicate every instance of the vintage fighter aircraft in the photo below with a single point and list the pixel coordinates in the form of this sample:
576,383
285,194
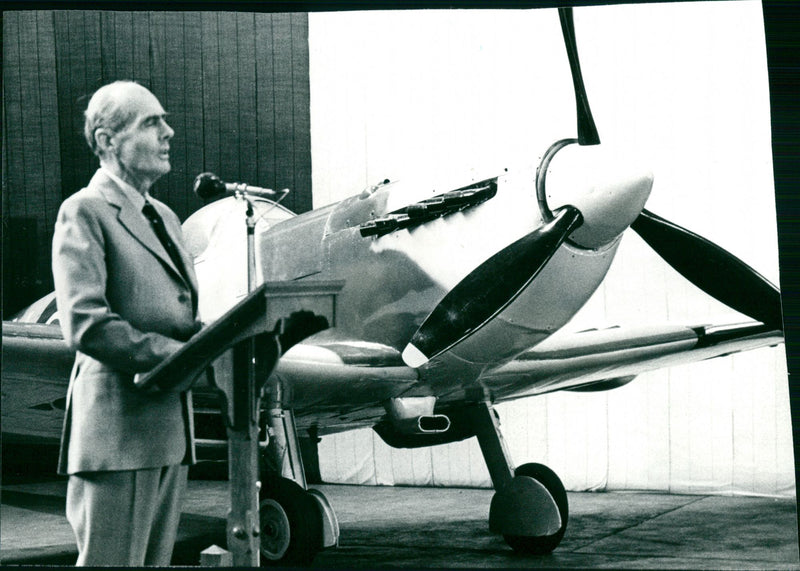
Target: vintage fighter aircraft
444,312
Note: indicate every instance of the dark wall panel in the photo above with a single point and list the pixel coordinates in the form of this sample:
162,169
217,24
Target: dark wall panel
211,99
235,86
141,47
194,125
265,102
173,97
282,80
31,185
79,59
301,116
14,175
246,80
228,96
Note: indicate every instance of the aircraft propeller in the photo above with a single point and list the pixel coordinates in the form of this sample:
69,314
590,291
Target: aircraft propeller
481,295
714,270
587,131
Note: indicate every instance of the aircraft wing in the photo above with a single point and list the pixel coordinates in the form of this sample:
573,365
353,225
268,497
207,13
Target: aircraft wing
333,379
36,366
606,358
342,383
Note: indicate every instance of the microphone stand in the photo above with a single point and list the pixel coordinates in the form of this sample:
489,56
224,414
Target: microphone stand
250,221
253,359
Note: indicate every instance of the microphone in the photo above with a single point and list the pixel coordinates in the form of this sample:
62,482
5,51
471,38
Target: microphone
208,185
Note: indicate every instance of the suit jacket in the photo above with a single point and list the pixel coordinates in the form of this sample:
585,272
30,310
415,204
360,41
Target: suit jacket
124,307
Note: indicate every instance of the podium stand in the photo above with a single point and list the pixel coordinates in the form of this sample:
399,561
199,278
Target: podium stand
238,352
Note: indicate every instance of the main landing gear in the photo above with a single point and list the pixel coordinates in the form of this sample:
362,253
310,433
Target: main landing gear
290,520
295,523
529,507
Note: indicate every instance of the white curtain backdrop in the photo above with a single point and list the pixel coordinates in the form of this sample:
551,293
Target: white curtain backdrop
683,86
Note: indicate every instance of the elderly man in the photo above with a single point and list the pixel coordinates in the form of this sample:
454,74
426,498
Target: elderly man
126,293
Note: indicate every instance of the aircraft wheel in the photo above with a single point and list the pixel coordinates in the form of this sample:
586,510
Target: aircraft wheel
290,521
540,545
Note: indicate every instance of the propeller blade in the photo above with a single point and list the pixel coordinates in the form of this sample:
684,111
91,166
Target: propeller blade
587,131
489,288
714,270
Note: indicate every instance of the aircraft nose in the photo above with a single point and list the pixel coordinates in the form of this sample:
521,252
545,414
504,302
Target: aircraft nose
608,209
609,186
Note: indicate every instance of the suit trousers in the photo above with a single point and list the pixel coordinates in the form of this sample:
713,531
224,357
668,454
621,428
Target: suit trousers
126,518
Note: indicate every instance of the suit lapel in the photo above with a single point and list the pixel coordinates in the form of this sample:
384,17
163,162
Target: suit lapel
135,222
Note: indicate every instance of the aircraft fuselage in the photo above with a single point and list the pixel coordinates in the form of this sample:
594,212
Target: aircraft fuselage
394,280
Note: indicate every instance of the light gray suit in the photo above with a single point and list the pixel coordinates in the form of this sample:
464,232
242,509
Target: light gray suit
124,307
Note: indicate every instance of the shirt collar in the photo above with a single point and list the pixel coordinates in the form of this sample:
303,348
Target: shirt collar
128,190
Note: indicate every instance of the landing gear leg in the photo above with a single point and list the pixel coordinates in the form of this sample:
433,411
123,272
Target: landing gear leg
529,507
295,523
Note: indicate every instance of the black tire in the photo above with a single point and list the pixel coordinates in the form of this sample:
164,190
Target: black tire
305,524
542,545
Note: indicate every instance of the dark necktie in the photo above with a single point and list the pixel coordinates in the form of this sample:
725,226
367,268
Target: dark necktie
158,226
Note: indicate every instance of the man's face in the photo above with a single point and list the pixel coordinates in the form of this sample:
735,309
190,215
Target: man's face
142,147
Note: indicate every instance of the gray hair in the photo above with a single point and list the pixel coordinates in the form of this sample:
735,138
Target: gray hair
106,110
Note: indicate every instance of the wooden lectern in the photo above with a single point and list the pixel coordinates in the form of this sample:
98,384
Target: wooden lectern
244,346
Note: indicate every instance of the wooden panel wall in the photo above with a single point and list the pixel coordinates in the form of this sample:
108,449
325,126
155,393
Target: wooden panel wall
235,85
31,155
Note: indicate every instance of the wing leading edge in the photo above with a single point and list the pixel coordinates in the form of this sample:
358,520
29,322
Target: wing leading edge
600,359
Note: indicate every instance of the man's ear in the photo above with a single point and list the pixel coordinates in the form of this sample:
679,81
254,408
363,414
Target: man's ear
103,139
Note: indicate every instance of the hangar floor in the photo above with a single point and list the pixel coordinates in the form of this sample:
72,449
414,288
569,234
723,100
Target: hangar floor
435,527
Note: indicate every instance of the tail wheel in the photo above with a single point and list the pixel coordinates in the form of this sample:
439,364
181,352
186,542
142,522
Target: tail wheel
290,522
541,545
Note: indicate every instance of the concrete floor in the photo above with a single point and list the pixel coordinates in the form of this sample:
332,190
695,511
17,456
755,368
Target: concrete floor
434,527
